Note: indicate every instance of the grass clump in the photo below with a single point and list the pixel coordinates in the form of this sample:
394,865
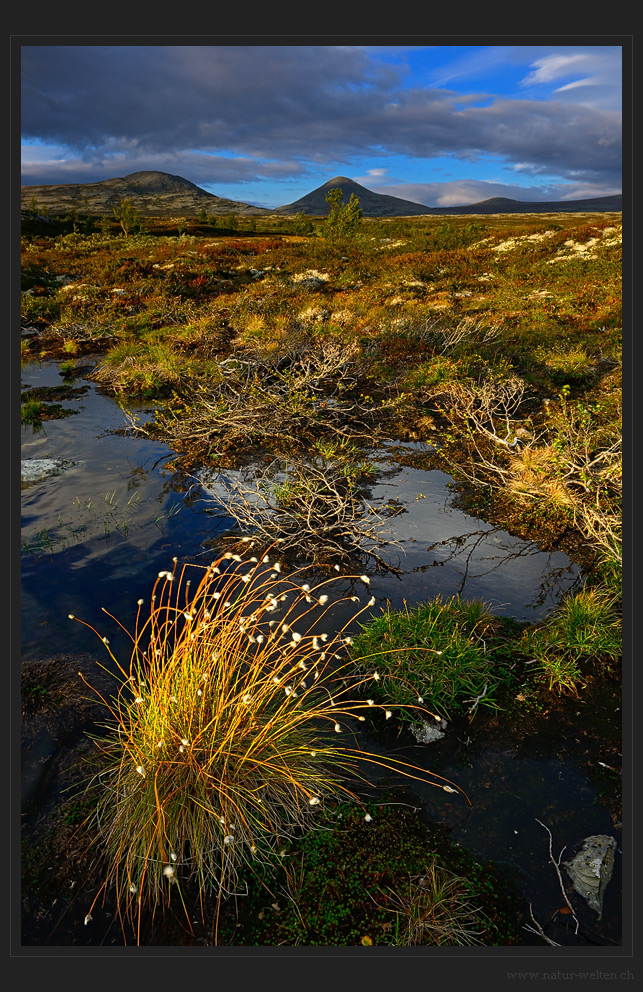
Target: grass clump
226,735
434,655
585,627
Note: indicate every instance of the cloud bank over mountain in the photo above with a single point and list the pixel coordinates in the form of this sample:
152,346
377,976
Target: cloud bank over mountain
277,118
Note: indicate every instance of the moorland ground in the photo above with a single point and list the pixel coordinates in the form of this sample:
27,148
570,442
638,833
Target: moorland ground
295,343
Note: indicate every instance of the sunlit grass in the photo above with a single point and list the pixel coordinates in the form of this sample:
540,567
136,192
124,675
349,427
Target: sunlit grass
584,628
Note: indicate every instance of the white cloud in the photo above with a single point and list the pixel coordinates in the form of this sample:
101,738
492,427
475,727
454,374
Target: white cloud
588,81
552,67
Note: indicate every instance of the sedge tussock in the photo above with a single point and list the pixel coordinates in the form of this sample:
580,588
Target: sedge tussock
226,733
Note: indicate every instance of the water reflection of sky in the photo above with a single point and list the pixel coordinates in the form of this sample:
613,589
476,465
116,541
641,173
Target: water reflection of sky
97,535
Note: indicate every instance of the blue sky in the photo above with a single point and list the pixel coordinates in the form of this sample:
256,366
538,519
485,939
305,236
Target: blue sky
442,125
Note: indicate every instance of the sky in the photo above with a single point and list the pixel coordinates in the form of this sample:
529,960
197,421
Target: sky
442,125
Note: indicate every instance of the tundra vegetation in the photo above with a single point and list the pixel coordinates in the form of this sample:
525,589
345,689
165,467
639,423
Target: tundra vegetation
295,347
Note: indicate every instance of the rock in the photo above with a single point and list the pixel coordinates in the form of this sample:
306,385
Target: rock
425,732
591,869
37,469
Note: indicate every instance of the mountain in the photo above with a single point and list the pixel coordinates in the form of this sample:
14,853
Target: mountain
372,204
159,194
153,194
380,205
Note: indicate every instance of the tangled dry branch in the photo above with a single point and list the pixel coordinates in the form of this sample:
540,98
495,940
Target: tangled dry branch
313,511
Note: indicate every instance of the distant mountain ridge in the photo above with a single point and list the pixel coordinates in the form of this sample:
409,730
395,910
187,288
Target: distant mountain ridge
160,194
504,205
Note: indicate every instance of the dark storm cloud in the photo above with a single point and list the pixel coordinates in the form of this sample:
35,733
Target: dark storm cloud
290,105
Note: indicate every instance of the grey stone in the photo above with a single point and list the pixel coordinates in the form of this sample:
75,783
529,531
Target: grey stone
591,869
425,732
37,469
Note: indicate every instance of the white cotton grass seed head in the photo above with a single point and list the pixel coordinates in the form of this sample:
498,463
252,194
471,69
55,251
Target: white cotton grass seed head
140,770
368,817
168,871
338,729
365,579
313,801
371,601
323,600
140,603
388,714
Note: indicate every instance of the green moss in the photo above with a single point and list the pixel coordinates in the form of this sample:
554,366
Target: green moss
350,884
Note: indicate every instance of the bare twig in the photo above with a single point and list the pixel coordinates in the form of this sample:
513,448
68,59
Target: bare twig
539,930
556,865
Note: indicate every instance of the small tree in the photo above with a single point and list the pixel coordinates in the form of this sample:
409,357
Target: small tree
301,224
127,216
343,219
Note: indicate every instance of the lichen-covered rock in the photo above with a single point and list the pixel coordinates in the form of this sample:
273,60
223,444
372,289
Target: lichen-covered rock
36,469
591,869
